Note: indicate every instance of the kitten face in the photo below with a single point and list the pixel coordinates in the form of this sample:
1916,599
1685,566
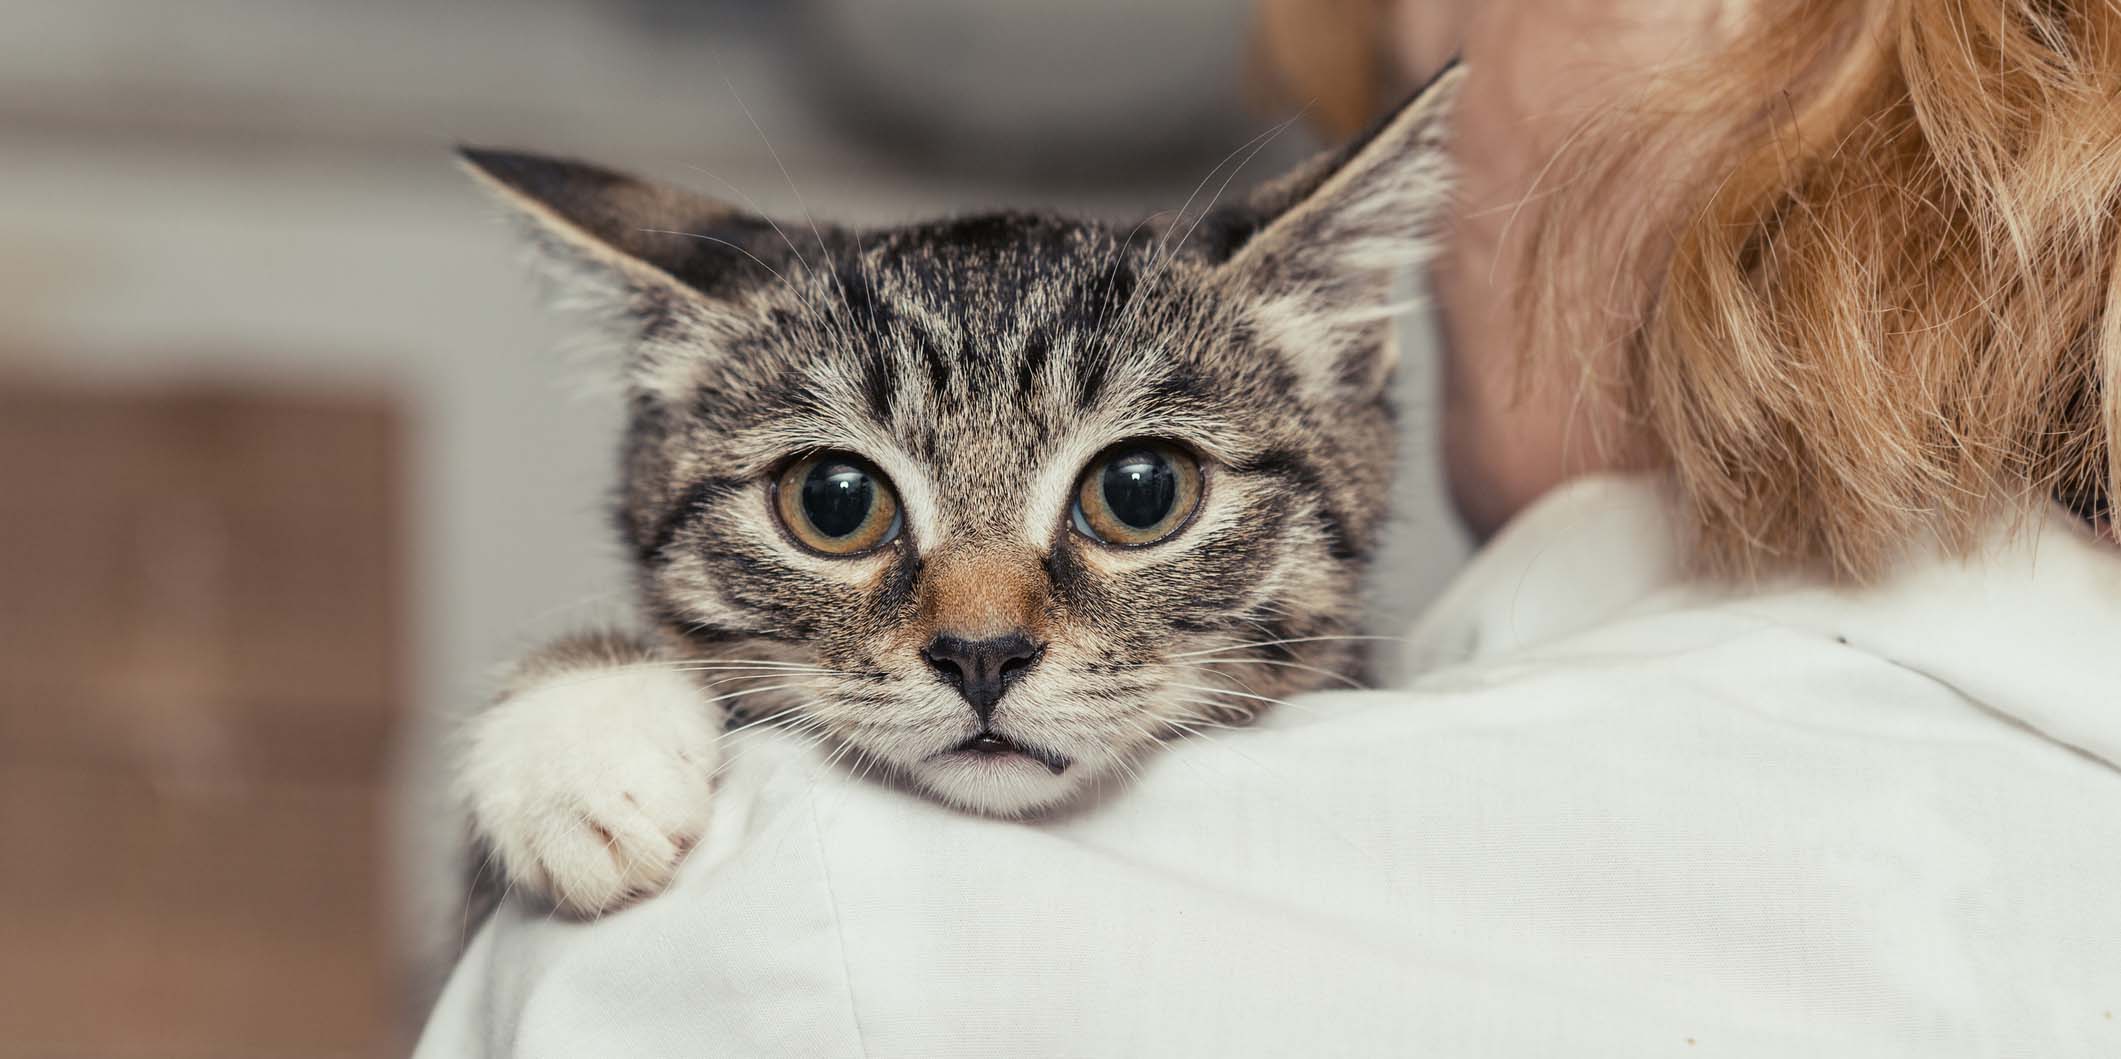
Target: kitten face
1022,495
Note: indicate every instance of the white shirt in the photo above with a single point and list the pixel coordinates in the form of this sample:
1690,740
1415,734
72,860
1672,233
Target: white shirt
1618,814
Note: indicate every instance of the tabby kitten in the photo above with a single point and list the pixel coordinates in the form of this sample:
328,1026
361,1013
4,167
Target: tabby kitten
992,504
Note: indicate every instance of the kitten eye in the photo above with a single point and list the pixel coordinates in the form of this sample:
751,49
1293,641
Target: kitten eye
1136,493
837,504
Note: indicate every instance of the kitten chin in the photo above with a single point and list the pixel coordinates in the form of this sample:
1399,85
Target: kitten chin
1007,785
1000,501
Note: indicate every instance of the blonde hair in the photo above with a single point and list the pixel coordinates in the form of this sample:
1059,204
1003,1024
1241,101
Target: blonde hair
1877,301
1871,294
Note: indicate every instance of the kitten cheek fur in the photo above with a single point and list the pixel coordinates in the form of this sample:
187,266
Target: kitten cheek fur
973,359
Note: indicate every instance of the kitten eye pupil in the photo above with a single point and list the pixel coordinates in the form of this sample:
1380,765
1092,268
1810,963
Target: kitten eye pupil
1140,487
837,497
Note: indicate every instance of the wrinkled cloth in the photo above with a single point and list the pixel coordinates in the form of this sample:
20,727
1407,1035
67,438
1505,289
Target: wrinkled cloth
1616,813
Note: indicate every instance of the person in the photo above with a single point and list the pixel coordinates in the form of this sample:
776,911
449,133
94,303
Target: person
1844,271
1777,713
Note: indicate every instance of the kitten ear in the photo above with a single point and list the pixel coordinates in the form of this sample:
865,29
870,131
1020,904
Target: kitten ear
648,255
1341,231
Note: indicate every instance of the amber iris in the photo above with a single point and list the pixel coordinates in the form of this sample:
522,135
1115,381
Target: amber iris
836,503
1137,493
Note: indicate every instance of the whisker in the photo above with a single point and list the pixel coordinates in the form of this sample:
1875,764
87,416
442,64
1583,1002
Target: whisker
752,691
817,775
714,667
756,210
1119,257
808,733
824,252
1290,640
721,659
761,722
1242,713
1165,254
579,678
1245,695
592,675
1124,763
1202,186
1268,137
1225,745
1320,670
775,154
1206,720
717,239
471,892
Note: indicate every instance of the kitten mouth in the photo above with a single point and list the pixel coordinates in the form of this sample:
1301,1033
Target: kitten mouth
997,745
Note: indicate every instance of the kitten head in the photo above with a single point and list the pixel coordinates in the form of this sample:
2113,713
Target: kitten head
999,502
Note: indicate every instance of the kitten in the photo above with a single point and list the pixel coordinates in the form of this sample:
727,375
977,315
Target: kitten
994,504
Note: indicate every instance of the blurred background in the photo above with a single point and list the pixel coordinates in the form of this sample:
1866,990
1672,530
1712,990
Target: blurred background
291,455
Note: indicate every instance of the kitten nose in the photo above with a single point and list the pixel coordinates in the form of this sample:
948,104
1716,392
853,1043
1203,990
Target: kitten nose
982,670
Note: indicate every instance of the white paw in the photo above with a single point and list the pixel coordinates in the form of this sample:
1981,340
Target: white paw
590,787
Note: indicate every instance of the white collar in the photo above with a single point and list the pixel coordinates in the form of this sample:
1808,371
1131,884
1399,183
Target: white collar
2029,627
